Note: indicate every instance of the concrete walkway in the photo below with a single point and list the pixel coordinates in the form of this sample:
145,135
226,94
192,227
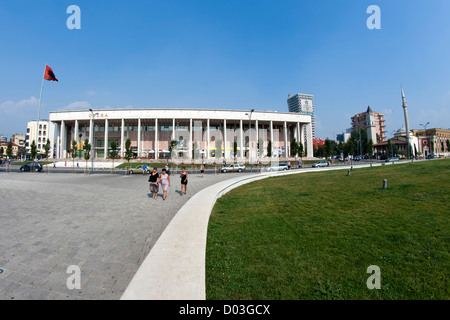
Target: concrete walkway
175,267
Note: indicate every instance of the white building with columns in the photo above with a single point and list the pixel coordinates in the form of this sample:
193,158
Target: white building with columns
200,134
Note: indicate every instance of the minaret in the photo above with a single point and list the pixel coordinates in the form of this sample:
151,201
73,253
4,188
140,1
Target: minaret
405,110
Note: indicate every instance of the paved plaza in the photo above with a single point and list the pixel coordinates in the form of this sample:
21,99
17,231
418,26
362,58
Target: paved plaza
105,224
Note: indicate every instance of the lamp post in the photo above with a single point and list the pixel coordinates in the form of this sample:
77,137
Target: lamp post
92,140
250,137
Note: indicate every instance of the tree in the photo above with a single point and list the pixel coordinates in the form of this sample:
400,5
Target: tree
73,152
128,152
448,145
21,152
113,154
328,148
294,148
1,151
269,149
349,148
370,148
87,151
47,148
300,149
33,150
235,150
9,149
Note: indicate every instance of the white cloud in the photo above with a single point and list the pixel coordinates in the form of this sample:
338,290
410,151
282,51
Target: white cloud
90,93
11,106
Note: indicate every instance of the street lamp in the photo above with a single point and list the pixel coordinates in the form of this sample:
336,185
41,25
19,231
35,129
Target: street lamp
425,126
92,140
250,137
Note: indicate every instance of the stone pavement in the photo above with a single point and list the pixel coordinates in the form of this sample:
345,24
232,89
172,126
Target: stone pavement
104,224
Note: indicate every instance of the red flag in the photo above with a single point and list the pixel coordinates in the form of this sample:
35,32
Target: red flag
49,75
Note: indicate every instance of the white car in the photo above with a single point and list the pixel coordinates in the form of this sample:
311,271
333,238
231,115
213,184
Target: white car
233,168
282,166
320,164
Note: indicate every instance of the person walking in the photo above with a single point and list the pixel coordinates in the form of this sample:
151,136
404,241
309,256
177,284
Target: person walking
154,179
165,182
202,170
184,180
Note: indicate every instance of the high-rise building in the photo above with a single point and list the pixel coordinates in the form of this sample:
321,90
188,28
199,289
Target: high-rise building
373,122
302,103
42,135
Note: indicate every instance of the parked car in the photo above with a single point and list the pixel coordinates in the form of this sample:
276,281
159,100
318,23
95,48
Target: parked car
393,159
32,166
139,169
282,166
320,164
432,156
233,168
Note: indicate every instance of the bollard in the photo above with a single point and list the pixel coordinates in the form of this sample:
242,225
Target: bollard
385,184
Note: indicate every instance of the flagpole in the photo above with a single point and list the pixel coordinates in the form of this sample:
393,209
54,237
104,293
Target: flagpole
39,109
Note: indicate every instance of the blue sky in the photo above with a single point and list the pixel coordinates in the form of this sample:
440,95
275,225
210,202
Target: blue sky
230,54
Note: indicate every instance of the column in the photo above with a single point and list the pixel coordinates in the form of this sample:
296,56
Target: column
63,139
122,136
51,137
302,136
309,142
156,139
208,138
271,137
241,143
225,139
190,140
106,138
286,154
75,132
257,133
139,139
173,129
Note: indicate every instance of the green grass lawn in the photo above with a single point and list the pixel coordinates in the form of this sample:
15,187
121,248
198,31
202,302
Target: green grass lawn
312,236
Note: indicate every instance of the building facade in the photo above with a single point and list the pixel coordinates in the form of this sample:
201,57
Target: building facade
302,103
373,122
433,141
199,134
33,134
19,140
